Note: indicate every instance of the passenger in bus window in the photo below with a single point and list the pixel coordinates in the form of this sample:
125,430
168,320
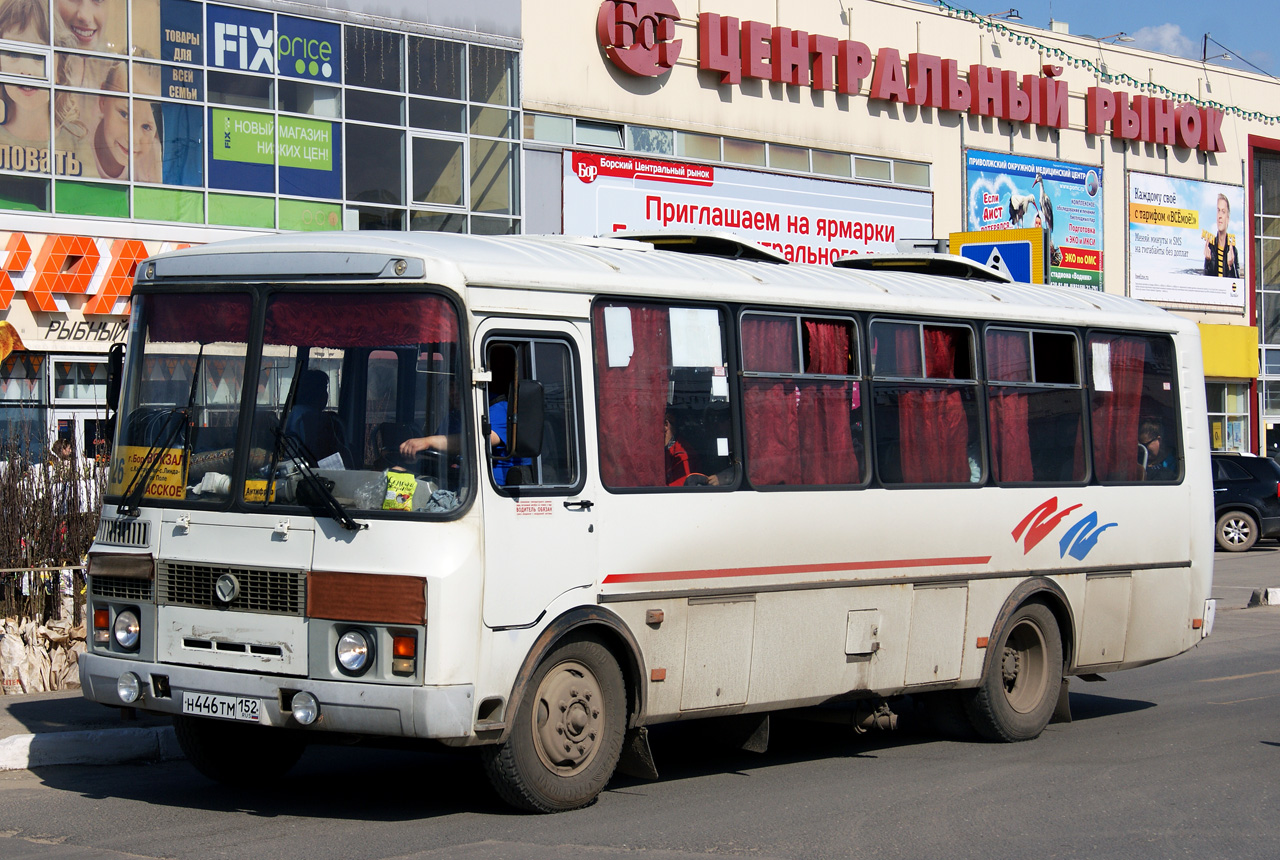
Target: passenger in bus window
1159,464
679,472
320,431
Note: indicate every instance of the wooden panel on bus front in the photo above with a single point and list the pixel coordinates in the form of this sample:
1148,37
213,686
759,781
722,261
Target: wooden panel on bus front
368,597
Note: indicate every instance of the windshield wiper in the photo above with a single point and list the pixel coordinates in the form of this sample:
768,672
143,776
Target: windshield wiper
151,461
324,501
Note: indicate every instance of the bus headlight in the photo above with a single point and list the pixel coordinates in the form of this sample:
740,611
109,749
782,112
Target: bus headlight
354,653
127,629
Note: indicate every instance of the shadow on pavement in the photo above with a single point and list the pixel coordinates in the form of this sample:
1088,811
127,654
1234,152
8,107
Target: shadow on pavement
361,783
1085,706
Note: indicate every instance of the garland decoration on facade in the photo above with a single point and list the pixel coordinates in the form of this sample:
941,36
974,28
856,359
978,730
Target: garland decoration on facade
1099,70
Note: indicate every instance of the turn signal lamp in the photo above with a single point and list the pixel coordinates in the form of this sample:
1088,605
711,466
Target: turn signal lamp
101,626
404,650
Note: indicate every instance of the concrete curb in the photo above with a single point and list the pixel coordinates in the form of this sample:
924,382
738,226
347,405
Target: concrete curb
106,746
1265,597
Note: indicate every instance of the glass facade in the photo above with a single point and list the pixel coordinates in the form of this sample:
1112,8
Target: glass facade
1266,246
206,113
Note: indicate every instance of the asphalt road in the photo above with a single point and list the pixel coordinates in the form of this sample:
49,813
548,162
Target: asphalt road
1178,759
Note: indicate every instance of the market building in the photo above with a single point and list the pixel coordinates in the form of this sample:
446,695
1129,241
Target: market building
817,128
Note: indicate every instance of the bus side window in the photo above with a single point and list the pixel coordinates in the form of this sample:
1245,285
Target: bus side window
926,414
660,367
550,363
801,400
1132,391
1035,409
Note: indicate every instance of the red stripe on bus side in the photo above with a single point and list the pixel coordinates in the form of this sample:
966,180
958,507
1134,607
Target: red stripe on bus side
889,564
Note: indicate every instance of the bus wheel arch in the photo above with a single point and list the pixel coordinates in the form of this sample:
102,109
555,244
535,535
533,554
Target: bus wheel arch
591,622
1026,661
568,715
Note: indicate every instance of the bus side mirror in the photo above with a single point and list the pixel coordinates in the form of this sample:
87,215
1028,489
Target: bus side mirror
524,420
115,371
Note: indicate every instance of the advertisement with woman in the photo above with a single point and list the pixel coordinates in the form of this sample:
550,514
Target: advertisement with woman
1186,241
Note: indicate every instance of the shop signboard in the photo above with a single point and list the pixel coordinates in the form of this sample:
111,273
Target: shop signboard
806,219
1186,242
1063,200
310,50
240,40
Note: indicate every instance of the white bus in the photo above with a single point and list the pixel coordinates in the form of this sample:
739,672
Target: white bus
534,494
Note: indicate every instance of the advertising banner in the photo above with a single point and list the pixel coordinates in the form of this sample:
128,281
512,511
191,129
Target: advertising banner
180,32
806,220
1064,200
1186,242
241,150
309,157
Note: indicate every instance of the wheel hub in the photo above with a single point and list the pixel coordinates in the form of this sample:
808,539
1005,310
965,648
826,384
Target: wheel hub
1010,666
568,717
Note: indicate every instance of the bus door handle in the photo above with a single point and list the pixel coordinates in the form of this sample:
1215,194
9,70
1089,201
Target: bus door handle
580,505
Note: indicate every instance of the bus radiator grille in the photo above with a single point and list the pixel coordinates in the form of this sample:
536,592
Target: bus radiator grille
282,592
135,533
120,588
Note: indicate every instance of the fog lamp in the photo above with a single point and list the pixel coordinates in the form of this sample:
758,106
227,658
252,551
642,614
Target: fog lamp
305,708
129,688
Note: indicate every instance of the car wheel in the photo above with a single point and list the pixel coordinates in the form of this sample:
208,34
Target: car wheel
1236,531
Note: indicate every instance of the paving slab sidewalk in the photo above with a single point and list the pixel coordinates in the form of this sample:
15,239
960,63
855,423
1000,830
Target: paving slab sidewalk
46,729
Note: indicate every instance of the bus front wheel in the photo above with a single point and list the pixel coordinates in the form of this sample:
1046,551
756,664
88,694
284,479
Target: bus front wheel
1024,675
567,734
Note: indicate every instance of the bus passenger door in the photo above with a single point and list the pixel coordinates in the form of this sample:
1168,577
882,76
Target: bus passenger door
539,521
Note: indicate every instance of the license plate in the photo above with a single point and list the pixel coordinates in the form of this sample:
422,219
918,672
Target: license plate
220,707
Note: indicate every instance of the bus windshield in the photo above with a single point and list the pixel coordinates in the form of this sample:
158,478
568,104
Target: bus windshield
357,399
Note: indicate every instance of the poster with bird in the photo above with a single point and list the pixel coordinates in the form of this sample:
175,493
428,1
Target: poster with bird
1064,200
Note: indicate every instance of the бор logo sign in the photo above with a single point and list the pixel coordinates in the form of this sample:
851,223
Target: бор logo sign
639,35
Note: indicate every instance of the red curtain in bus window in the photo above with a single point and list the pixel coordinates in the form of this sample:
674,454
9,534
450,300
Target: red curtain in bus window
633,400
932,422
1009,361
770,406
825,409
200,318
346,320
1115,412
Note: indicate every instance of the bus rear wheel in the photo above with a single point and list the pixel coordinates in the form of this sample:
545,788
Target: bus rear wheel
237,754
1024,675
568,731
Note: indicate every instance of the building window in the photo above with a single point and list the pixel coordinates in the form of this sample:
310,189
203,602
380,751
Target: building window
1229,416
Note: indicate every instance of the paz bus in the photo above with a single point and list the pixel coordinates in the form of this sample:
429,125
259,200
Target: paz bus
536,494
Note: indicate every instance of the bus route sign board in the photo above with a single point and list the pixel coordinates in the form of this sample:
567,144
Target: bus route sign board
1017,253
168,480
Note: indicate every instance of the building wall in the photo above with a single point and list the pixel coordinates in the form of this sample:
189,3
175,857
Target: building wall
568,72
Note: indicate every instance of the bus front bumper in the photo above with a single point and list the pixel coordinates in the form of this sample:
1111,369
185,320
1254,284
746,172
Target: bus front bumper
441,712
